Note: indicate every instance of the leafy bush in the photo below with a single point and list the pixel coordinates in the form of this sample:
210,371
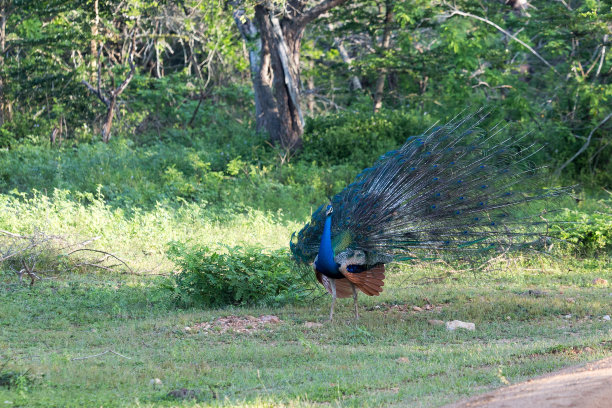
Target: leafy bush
243,276
588,232
357,138
15,379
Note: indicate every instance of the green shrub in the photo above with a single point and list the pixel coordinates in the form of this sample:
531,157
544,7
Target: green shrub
357,138
15,379
587,232
244,276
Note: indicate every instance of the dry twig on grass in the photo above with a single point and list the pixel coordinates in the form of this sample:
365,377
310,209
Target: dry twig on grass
100,354
102,252
35,254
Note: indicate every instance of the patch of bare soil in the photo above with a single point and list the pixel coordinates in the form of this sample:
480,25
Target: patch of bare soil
588,386
237,324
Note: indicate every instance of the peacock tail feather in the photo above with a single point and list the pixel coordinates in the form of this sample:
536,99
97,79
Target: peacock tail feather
456,191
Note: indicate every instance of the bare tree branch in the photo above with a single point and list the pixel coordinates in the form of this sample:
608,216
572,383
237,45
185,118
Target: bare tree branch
314,12
127,80
96,92
102,252
100,354
456,11
10,234
585,145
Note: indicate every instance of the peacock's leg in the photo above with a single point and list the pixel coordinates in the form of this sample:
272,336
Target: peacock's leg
332,283
355,300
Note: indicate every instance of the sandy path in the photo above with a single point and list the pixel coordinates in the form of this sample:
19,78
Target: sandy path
588,386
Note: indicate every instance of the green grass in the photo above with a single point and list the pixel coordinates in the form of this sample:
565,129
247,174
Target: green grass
141,237
387,358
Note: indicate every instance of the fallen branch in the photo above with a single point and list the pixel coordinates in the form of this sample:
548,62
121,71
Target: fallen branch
89,241
6,257
93,265
10,234
29,271
102,252
24,252
100,354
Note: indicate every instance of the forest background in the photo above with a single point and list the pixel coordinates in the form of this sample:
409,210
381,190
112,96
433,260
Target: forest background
172,80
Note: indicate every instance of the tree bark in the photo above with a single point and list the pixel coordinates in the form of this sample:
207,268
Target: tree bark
108,121
384,45
5,106
273,45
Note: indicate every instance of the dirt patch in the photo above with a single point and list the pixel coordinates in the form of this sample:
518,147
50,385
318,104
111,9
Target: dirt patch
238,324
588,386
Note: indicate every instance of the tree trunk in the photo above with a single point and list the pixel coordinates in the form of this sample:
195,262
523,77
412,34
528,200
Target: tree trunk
384,45
5,107
274,59
108,121
274,54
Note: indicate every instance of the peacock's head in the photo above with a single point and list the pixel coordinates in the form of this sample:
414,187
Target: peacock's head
329,210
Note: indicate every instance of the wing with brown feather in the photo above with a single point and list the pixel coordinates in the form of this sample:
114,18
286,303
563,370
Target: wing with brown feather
369,282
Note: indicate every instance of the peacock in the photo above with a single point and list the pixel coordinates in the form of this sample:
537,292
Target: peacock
455,192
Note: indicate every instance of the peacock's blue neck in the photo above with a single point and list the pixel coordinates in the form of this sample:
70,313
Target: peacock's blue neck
325,261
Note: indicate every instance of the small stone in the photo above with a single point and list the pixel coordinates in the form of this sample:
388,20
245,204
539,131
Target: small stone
155,382
187,329
600,281
508,318
568,316
417,309
403,360
458,324
436,322
311,325
269,319
184,393
534,292
606,317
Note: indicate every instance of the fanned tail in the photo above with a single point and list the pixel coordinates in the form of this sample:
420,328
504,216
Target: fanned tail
455,191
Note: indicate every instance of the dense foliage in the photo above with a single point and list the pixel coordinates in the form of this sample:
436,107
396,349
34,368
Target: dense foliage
243,276
543,65
587,232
